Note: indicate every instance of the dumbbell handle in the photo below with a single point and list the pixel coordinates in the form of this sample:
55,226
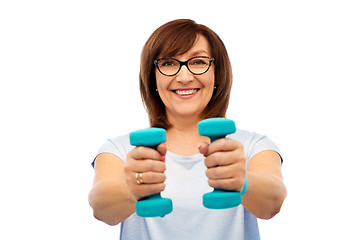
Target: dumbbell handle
216,128
153,205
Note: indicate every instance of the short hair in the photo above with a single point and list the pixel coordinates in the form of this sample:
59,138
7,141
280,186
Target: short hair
176,38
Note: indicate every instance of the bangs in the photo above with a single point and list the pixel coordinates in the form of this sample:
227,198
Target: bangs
178,40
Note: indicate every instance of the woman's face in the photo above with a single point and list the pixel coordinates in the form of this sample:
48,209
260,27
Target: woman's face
186,94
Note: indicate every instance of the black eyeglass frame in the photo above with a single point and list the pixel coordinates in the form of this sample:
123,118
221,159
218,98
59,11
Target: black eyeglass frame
156,61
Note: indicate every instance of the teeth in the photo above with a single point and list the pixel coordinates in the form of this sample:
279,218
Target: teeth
186,92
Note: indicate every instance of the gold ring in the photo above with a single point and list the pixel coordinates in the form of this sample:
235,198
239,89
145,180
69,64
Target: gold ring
138,177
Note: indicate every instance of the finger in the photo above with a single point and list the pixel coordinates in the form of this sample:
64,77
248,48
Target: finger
143,190
229,184
221,172
223,145
150,178
141,152
233,182
162,149
220,159
203,148
225,184
148,166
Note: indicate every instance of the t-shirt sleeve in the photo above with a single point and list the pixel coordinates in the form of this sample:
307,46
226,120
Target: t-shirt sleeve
261,143
254,143
119,146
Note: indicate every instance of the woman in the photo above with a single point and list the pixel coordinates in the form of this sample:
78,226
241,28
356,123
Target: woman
185,77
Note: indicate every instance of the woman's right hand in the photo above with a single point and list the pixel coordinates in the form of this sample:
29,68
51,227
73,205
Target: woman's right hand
151,164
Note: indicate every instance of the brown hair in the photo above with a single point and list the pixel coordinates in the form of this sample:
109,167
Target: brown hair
176,38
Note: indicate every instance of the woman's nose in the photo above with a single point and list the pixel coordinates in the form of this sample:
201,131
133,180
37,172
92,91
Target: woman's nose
184,75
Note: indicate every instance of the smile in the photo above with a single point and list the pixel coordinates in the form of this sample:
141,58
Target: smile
186,92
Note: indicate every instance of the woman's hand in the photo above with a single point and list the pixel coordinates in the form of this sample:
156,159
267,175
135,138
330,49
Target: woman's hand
151,164
226,163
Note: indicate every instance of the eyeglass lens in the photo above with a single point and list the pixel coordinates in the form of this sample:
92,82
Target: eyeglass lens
170,66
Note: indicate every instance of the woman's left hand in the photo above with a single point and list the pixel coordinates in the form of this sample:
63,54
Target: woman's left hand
226,163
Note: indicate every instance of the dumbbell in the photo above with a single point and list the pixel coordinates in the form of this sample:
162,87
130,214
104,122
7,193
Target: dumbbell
216,128
153,205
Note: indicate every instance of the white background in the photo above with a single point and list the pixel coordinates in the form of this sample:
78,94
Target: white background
69,80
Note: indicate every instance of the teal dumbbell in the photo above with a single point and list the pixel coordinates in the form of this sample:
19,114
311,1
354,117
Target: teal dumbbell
216,128
154,205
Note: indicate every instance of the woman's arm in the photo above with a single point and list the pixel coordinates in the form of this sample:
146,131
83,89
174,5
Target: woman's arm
266,189
109,197
226,163
115,189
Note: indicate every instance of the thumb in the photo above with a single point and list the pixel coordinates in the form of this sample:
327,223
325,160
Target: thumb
161,148
203,148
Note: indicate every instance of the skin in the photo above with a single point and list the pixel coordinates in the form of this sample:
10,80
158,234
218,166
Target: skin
115,190
188,109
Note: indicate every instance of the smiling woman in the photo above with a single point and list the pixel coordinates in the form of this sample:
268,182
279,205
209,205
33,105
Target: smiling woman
185,77
185,94
172,40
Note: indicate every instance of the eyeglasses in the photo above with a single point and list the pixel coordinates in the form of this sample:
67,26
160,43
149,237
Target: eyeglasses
171,66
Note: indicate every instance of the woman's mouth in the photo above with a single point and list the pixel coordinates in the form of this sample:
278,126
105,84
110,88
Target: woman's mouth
185,92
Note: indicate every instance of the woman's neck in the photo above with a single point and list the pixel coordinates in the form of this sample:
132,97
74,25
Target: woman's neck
183,137
184,123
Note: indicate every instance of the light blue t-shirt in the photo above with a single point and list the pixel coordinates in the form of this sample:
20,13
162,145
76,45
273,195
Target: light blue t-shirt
186,183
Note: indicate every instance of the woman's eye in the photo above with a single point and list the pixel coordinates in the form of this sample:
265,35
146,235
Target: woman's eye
198,62
167,64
